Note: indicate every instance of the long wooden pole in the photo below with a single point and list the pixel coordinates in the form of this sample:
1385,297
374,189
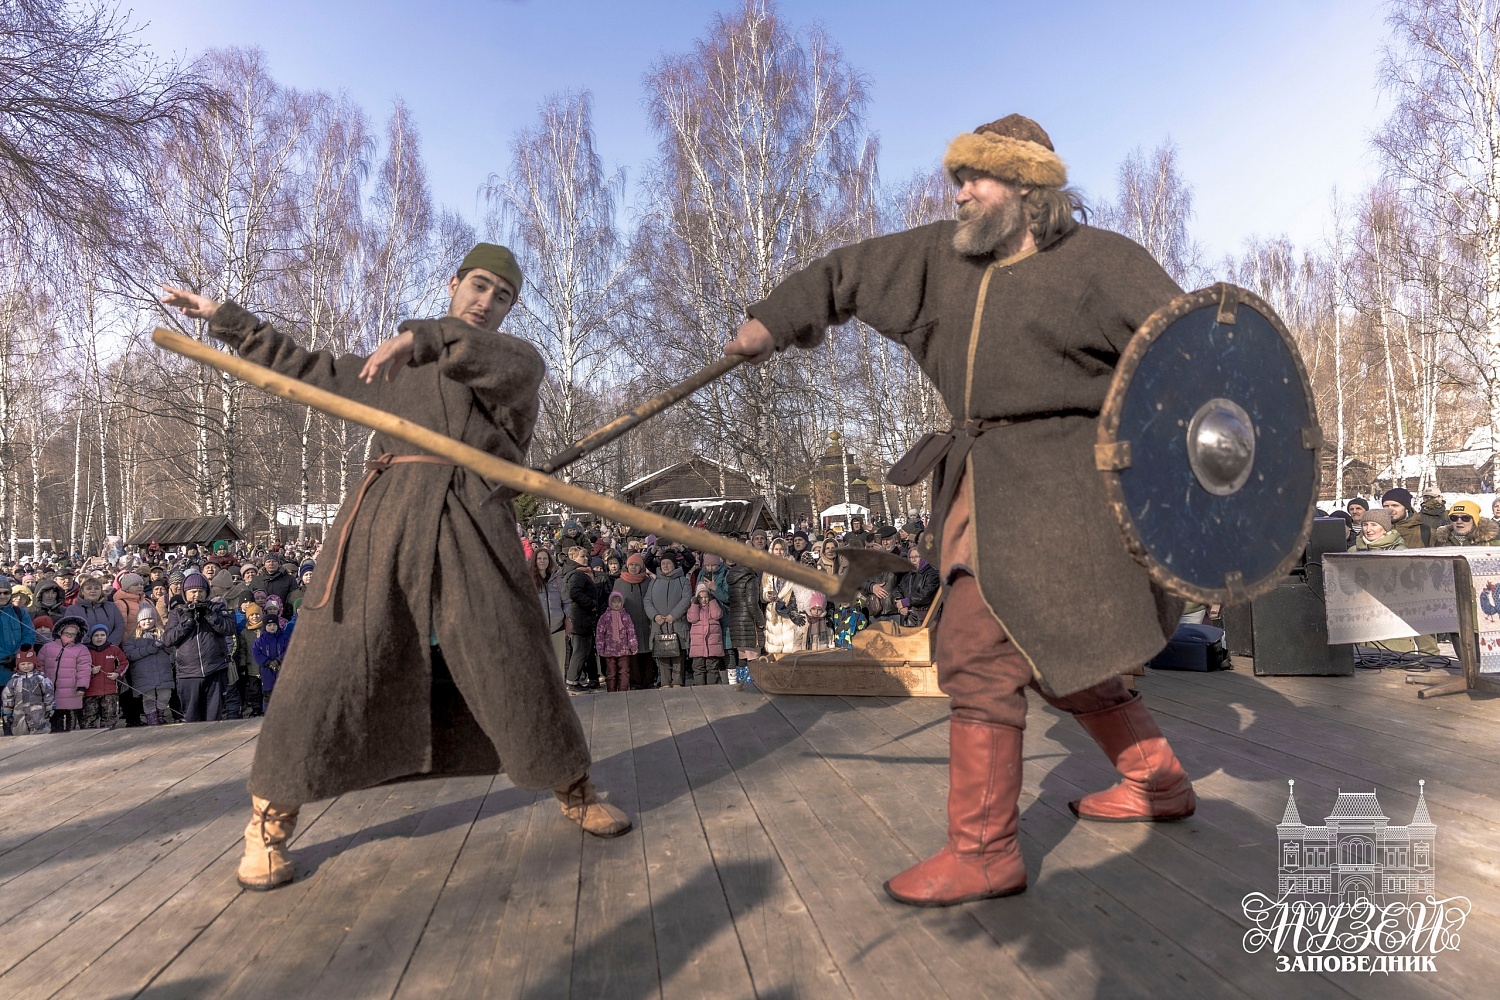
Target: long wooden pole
864,564
640,414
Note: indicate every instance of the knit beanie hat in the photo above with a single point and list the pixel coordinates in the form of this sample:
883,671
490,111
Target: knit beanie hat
704,588
495,259
41,622
635,564
710,560
1014,149
129,580
147,613
1401,496
97,629
1361,501
254,609
1467,507
306,568
616,599
194,581
1379,515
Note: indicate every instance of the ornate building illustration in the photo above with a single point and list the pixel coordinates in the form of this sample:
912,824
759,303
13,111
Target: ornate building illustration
1356,854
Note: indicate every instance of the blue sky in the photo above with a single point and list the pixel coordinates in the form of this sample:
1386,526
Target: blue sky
1271,103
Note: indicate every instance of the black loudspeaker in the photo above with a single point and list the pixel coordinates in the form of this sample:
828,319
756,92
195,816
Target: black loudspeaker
1329,534
1239,629
1289,631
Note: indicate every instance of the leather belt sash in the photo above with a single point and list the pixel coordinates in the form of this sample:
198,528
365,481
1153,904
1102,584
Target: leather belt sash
942,454
375,467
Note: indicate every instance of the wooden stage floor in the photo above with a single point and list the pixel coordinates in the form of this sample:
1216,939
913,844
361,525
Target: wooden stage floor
764,829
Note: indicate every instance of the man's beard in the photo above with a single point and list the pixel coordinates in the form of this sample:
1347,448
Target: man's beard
982,232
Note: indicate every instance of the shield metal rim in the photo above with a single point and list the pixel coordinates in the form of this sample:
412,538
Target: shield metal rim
1111,455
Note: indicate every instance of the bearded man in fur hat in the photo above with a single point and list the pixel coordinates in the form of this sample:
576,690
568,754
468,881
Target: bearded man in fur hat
421,650
1018,312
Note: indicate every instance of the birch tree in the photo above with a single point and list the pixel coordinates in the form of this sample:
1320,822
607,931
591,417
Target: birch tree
757,126
1153,206
556,210
1442,142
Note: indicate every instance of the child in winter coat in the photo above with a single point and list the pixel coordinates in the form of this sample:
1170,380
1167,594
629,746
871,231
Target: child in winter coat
248,684
150,671
615,642
267,653
107,663
27,701
705,636
67,664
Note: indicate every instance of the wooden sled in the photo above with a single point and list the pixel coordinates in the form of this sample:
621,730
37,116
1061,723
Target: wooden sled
843,672
888,660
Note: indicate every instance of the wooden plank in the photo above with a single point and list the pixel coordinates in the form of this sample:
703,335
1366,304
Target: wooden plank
457,952
785,951
1195,860
283,960
210,962
56,833
1064,912
1271,759
452,959
615,934
839,853
535,935
1356,752
146,878
141,954
398,900
49,745
1355,705
47,897
68,786
698,953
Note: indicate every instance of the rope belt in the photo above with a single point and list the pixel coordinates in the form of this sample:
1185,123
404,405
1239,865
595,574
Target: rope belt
375,467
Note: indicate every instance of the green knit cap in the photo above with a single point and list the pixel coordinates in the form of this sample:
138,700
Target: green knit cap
495,259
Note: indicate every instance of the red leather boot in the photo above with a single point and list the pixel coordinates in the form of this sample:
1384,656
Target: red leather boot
982,858
1156,788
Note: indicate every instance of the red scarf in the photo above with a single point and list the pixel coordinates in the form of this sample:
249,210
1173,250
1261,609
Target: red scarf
633,577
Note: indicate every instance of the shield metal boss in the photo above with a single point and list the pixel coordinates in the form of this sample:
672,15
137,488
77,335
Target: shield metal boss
1209,446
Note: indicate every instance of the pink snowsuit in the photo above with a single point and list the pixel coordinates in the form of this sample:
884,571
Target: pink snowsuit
68,668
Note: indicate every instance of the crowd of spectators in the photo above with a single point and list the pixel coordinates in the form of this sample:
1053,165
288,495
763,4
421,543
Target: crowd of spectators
628,610
155,637
146,638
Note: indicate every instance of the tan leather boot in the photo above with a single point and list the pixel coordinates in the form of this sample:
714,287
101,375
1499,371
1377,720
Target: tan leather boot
982,859
581,804
266,864
1155,789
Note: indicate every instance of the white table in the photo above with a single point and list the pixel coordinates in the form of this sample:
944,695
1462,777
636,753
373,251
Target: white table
1391,595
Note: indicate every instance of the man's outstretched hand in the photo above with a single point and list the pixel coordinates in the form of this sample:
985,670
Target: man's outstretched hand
191,303
754,341
392,355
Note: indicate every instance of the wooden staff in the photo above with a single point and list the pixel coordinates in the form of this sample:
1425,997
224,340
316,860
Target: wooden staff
863,563
634,418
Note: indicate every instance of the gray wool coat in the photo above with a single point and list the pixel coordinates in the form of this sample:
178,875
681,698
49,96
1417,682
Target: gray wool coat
433,549
669,595
1038,348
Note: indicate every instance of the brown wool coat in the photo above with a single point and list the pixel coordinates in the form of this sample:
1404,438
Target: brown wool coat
1041,352
432,548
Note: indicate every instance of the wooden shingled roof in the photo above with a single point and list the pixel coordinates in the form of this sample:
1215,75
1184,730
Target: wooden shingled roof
185,531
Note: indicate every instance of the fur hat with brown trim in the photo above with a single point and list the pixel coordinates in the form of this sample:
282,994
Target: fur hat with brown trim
1013,149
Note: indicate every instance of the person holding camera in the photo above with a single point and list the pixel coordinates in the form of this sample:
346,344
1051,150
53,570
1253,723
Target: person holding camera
196,630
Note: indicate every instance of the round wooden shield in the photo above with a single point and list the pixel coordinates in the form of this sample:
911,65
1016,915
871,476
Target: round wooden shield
1209,446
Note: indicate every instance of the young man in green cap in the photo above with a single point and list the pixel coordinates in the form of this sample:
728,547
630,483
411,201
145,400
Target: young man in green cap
420,650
